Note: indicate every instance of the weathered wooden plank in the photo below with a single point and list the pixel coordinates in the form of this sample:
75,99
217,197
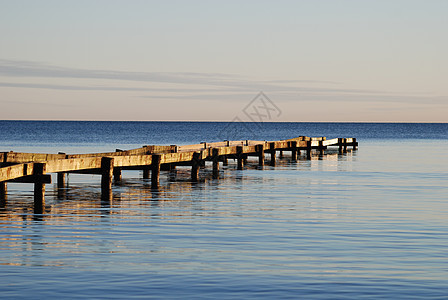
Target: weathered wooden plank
188,148
283,145
16,171
237,143
332,142
87,155
157,149
176,157
138,151
254,143
227,150
249,149
132,160
73,164
18,157
300,138
217,144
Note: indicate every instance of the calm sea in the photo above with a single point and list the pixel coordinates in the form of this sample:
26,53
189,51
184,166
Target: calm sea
371,223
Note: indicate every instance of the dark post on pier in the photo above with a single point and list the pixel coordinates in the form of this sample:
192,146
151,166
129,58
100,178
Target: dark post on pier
36,167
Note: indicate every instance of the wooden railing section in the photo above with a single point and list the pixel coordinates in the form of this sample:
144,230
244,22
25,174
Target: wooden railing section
35,167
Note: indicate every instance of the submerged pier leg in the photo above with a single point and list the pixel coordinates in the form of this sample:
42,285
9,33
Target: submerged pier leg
340,144
215,158
308,149
321,148
260,151
107,170
272,151
166,167
294,150
155,170
39,187
195,165
61,192
61,180
355,144
3,193
240,157
117,174
225,161
146,171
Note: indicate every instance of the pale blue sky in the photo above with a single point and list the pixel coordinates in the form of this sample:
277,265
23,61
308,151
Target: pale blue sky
206,60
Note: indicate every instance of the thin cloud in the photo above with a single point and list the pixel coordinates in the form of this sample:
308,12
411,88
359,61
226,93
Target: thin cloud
39,103
32,69
217,82
100,88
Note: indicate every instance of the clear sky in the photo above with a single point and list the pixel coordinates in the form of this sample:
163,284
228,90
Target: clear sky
206,60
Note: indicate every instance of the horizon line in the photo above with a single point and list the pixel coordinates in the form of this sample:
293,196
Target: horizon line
220,121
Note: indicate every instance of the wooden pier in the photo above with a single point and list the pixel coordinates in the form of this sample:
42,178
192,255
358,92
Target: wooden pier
35,168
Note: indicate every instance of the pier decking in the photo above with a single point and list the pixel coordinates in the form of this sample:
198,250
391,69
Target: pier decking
36,167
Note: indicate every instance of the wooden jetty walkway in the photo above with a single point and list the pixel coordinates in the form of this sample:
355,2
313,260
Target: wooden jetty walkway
36,167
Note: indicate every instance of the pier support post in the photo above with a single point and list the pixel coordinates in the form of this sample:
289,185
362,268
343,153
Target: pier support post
215,158
195,164
345,146
340,144
355,144
272,151
39,187
308,149
117,174
61,176
225,161
166,167
107,170
321,148
294,150
260,151
240,157
146,171
61,180
155,170
3,193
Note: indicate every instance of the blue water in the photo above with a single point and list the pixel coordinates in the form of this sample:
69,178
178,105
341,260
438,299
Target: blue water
367,224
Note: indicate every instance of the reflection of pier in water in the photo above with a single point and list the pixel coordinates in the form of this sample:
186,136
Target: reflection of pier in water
181,164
